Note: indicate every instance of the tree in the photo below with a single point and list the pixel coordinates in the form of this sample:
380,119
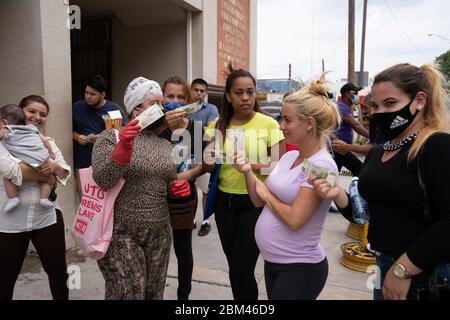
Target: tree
443,62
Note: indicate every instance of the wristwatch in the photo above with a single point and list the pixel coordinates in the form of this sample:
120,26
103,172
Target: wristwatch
400,271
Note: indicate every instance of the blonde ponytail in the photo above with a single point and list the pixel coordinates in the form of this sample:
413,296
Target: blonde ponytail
312,101
435,111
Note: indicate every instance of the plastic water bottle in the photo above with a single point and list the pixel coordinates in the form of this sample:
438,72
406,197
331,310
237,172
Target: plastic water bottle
186,165
183,167
360,208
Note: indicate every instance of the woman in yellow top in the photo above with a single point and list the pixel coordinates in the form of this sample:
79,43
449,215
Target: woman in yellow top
236,215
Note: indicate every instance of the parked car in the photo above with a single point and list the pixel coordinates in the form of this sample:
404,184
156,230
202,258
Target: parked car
272,108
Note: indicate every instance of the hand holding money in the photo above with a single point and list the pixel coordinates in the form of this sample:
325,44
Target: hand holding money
323,188
241,163
149,116
191,108
321,173
124,148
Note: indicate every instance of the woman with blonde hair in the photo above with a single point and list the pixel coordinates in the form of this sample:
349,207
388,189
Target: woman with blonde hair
405,182
242,126
289,227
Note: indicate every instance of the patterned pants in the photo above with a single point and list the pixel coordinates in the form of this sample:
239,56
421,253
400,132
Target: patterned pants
135,267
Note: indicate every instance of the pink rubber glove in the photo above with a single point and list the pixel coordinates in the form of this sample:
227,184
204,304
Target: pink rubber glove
180,189
124,148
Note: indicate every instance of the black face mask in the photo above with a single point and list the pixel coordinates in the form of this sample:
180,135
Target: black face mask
393,124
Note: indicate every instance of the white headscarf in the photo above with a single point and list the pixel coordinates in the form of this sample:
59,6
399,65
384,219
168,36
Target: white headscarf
139,90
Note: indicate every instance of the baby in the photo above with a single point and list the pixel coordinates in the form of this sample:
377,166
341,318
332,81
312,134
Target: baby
26,143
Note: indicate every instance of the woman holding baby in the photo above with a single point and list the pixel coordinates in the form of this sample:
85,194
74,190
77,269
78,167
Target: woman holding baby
29,219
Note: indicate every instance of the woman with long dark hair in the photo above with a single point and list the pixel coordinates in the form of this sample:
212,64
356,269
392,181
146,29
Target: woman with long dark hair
30,221
236,216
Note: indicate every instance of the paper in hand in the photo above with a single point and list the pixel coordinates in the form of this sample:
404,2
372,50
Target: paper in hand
191,108
321,173
239,141
149,116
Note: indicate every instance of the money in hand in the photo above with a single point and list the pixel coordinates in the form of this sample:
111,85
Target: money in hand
149,116
191,108
321,173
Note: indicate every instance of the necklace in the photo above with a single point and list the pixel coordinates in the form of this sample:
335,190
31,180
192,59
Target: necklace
389,146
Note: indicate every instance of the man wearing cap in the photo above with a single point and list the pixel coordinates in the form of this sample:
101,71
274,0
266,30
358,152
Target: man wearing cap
349,94
88,123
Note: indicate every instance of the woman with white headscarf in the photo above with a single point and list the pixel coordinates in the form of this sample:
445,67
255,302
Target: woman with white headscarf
135,266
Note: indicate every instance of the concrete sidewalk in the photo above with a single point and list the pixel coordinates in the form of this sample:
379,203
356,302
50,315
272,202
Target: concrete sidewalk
210,278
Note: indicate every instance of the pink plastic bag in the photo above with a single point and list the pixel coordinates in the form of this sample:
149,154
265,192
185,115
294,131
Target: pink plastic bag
93,225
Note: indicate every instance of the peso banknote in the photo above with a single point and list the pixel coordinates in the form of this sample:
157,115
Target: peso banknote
149,116
321,173
191,108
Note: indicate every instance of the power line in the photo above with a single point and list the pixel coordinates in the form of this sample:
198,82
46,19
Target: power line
333,54
404,30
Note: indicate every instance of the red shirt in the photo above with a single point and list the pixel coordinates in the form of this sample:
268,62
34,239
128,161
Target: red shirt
290,147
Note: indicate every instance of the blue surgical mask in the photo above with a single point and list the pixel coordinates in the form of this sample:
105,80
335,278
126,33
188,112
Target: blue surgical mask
355,99
171,105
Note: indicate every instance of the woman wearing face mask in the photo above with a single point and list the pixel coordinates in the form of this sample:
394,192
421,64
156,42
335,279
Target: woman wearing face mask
176,94
135,266
29,220
236,215
410,110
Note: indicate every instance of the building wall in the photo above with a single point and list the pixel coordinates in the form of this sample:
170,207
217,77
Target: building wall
253,36
21,50
209,43
205,41
35,59
155,52
57,82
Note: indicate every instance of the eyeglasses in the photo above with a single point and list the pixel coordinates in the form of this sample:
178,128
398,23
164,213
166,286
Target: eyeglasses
199,90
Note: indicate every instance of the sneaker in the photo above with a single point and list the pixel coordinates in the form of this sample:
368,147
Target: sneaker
204,230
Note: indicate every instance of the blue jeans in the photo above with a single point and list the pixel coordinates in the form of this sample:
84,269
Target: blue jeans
418,283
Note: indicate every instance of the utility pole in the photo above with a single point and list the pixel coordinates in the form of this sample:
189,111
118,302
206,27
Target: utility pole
290,77
323,66
312,47
363,45
351,41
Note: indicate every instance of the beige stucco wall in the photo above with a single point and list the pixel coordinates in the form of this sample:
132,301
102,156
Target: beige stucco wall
21,50
35,59
208,42
155,52
192,5
58,92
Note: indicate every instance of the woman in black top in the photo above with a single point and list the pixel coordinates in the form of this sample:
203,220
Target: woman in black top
410,109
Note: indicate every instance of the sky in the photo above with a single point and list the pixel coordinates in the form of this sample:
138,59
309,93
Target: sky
303,32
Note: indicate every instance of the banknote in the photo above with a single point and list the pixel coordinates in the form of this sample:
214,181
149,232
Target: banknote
321,173
191,108
149,116
239,140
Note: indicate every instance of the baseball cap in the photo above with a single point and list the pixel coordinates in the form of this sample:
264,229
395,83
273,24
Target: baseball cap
350,87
